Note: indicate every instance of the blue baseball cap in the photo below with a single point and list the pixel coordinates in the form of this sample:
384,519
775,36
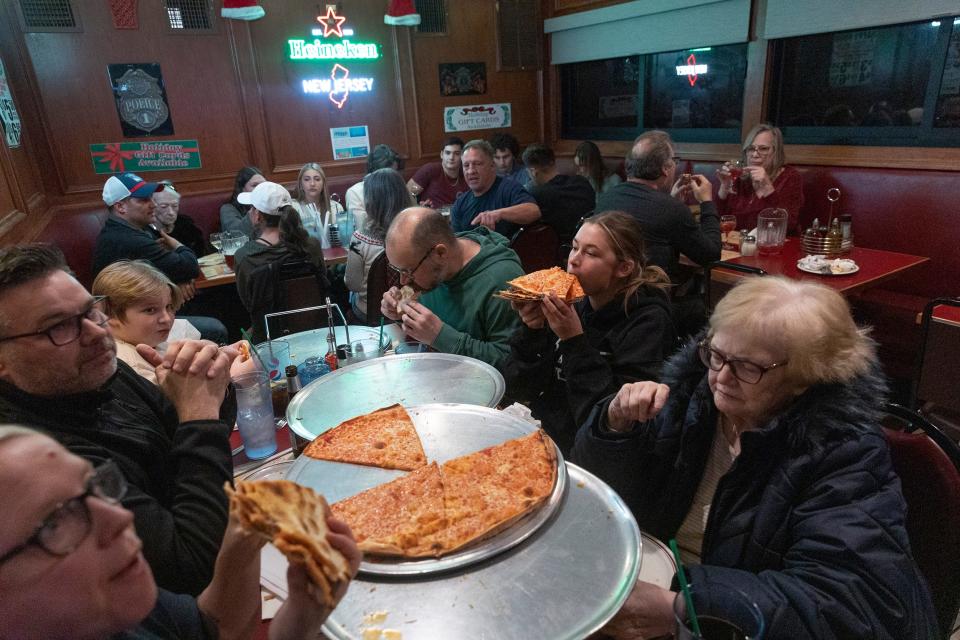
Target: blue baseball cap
125,185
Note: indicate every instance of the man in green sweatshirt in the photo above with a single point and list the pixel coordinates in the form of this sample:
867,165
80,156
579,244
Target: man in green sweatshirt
456,276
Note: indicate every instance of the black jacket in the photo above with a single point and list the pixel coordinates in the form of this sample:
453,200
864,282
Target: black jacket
809,521
119,240
175,471
563,379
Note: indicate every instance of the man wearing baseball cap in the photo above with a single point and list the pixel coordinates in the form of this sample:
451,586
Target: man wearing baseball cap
130,233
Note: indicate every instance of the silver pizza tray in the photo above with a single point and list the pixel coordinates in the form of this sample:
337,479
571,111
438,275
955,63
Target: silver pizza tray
447,431
564,582
410,379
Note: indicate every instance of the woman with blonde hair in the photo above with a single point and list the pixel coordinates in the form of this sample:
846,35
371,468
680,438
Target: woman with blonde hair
565,358
762,454
140,302
311,199
766,181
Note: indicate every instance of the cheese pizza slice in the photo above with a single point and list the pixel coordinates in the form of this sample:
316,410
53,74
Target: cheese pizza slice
546,281
385,438
403,517
487,491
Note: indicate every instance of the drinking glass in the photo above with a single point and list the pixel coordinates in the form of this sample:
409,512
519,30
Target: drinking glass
723,613
361,350
255,414
727,224
735,169
231,241
216,239
275,356
771,231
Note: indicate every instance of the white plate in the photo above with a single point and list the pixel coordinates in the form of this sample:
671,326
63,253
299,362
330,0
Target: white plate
827,272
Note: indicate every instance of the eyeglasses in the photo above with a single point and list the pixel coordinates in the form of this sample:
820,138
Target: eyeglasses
68,330
408,273
64,530
758,149
742,370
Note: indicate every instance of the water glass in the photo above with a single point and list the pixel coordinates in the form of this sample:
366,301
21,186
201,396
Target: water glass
361,350
275,356
411,347
771,231
723,613
311,369
255,415
232,240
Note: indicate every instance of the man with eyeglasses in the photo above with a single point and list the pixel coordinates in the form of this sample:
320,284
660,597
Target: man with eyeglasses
457,275
71,564
59,373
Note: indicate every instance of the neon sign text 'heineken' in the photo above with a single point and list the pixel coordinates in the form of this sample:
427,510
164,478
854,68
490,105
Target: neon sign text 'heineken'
343,50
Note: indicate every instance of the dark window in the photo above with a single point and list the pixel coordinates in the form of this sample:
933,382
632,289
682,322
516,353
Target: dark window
193,15
695,94
888,86
433,16
47,15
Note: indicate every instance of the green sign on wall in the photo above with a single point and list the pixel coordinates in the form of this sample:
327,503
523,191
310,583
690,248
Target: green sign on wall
166,155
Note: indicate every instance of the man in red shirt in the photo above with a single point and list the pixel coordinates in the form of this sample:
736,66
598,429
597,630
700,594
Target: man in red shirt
437,184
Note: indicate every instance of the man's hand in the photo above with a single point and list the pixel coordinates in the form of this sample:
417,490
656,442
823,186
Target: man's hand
188,290
427,202
681,187
531,314
194,375
636,402
647,613
166,240
487,219
300,616
562,317
420,323
701,187
389,302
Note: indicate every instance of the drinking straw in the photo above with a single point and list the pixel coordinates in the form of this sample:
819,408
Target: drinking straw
685,588
380,337
253,349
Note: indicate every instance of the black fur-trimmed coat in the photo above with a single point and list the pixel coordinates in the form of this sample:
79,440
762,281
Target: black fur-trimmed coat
809,521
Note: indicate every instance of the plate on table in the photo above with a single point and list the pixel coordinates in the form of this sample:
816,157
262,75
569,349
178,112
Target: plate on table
825,266
447,431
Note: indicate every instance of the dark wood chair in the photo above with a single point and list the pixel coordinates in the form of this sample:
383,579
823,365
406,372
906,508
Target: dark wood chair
928,463
538,247
284,286
716,283
379,280
937,373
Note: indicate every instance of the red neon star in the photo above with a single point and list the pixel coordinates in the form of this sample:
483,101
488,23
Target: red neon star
332,23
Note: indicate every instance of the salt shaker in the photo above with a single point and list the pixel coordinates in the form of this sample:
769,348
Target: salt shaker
748,245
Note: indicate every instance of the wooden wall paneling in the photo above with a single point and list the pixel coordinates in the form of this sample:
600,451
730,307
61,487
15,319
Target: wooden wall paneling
298,124
471,29
78,105
247,73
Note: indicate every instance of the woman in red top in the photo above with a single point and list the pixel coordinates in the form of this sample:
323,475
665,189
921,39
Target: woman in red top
766,181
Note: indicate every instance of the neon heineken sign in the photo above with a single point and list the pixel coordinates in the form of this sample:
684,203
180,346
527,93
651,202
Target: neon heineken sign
338,84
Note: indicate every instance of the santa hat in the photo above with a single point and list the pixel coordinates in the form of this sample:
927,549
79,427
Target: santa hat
402,13
242,10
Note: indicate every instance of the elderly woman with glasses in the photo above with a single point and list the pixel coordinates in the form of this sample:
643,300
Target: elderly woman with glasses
71,564
766,181
762,454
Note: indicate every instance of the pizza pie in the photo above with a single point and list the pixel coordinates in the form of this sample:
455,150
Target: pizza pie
294,519
436,510
536,285
385,438
487,491
400,518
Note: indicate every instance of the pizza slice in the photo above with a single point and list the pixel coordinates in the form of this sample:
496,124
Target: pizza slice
294,519
384,438
487,491
403,517
555,280
575,292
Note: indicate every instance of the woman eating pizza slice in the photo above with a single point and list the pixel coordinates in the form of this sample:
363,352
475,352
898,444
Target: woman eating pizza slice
566,357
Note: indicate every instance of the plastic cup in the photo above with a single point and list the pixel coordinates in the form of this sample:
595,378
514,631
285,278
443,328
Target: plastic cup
722,612
255,415
361,350
411,347
275,356
771,231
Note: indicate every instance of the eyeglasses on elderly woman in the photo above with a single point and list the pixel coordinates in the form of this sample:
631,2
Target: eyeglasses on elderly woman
742,370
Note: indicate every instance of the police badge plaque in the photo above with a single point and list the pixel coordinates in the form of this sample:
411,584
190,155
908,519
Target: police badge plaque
141,99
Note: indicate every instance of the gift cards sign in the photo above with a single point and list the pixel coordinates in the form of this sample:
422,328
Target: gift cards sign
335,47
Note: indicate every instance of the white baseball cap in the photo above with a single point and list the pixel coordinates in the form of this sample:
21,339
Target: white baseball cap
125,185
267,198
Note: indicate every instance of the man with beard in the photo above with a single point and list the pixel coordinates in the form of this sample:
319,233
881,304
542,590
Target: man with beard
59,373
457,276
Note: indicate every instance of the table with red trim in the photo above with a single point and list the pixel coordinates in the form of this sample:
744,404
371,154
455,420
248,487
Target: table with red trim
946,313
332,256
875,265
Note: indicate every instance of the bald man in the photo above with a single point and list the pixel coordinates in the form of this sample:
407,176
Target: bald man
456,276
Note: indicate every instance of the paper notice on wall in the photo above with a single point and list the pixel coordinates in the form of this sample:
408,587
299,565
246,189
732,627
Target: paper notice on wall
350,142
9,118
851,60
612,107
